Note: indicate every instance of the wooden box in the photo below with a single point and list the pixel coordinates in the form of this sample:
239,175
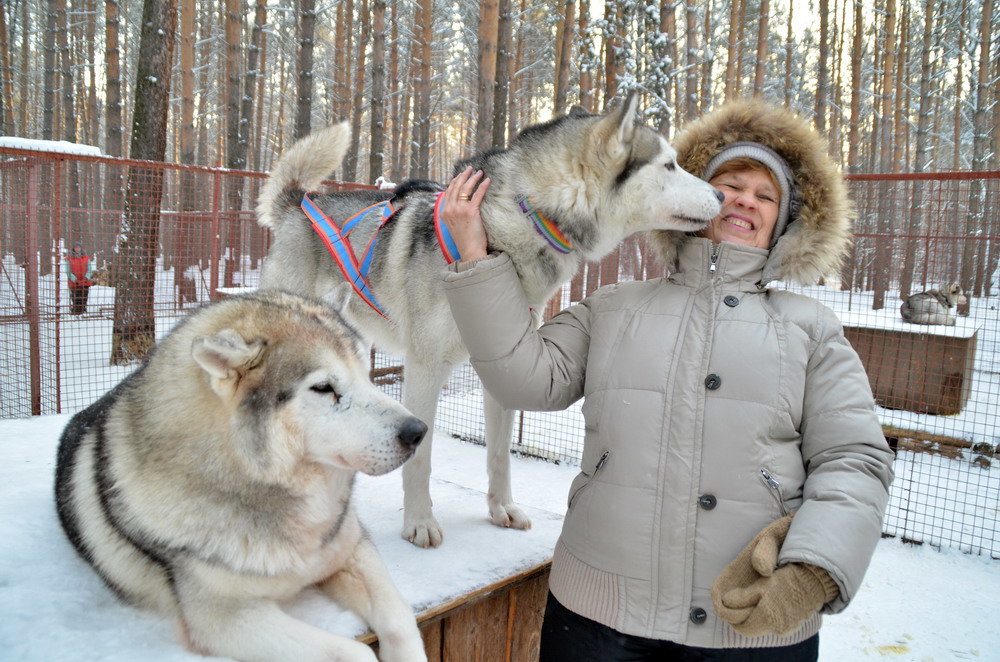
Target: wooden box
918,368
501,622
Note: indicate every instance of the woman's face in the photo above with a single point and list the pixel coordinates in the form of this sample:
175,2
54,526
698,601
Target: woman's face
750,210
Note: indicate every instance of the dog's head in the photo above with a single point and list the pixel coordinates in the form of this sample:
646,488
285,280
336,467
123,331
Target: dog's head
294,379
605,177
953,293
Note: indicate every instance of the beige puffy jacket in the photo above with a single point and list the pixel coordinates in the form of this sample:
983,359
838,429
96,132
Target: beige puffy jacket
712,407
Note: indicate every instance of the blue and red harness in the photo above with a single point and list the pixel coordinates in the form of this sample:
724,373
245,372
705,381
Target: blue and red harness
337,243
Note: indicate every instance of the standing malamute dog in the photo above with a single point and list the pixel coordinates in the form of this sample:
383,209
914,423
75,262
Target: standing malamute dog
589,180
216,480
933,306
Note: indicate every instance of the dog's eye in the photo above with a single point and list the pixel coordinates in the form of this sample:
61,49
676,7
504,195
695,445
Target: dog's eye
670,166
326,388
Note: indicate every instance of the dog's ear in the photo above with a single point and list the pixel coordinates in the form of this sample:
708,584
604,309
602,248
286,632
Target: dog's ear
618,128
224,356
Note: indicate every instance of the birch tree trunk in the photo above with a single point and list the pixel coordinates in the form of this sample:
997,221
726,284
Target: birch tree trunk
587,93
489,17
975,268
6,81
823,68
134,271
668,71
377,121
762,32
49,75
883,261
733,49
358,102
423,35
505,47
920,162
564,41
303,99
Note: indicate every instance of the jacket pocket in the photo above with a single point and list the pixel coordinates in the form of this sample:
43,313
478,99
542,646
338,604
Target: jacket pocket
588,479
774,487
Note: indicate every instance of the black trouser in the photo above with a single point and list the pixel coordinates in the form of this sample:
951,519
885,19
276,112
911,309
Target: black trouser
569,637
78,296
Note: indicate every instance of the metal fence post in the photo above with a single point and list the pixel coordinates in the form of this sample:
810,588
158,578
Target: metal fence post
31,302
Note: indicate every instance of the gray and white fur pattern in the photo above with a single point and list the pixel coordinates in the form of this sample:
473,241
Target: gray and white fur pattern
600,178
933,306
215,482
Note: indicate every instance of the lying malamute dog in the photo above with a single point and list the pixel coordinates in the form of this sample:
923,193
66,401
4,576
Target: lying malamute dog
564,191
216,480
933,306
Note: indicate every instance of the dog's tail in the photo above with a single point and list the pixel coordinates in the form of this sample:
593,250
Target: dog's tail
302,168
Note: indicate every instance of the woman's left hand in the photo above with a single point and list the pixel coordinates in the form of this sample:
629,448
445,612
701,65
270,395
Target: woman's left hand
460,212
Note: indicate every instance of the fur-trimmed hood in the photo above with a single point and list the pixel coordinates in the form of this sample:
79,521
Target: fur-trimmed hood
818,233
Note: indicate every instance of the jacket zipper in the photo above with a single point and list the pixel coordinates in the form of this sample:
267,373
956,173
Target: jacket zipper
714,258
774,487
597,469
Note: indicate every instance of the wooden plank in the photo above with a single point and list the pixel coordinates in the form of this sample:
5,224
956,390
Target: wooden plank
432,634
477,633
524,622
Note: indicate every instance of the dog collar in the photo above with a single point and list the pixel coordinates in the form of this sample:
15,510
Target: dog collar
543,225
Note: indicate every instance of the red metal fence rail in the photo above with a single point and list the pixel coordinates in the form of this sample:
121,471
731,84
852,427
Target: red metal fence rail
938,387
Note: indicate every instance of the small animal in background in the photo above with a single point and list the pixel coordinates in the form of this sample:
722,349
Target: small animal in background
933,306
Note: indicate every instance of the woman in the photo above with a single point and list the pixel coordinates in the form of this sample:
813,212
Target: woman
715,409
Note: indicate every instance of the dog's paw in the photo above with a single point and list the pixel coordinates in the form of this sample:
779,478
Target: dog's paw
509,516
424,532
409,653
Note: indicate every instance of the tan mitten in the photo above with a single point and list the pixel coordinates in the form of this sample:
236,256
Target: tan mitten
757,598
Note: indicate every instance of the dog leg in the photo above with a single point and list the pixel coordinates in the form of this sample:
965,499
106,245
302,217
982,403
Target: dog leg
257,630
499,424
363,586
421,386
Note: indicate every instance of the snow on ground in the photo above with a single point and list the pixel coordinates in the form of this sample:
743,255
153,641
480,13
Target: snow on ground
917,604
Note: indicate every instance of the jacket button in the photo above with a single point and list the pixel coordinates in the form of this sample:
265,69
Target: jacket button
698,616
731,301
707,501
713,382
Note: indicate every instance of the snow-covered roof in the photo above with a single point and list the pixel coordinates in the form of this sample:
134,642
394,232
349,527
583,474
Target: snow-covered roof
889,320
60,146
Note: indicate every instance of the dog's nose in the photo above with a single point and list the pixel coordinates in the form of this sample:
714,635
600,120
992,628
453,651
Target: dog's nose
720,195
412,432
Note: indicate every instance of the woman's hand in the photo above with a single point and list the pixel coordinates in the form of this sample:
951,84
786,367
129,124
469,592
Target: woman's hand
460,212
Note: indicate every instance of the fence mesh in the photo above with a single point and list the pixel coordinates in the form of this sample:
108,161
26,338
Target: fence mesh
183,233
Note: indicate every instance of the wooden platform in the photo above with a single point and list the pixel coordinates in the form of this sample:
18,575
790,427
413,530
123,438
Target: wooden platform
498,623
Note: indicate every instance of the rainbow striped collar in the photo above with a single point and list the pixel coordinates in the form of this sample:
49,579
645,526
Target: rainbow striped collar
545,226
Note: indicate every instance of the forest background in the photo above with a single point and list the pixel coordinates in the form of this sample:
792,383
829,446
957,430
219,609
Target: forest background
898,85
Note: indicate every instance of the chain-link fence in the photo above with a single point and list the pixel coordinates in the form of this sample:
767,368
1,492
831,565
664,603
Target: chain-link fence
182,233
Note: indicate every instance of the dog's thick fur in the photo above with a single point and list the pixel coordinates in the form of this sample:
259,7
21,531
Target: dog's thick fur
599,178
933,306
216,480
